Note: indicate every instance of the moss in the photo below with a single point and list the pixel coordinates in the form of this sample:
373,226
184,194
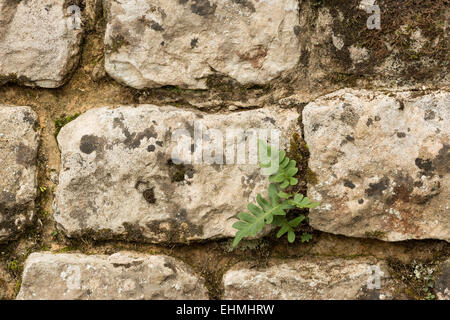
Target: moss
377,234
398,21
223,83
347,79
61,122
67,249
311,177
245,245
14,266
17,286
8,78
418,277
180,91
178,175
298,151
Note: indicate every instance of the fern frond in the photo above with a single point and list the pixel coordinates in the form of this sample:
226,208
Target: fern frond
252,222
302,202
284,173
288,227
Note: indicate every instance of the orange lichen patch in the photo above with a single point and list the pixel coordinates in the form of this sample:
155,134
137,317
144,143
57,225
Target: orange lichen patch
255,57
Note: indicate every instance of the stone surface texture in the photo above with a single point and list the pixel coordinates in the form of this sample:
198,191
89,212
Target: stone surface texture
382,164
309,279
118,179
121,276
19,141
37,45
180,43
337,45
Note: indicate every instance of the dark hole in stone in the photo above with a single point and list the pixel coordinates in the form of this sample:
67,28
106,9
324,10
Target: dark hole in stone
149,195
194,43
177,172
349,184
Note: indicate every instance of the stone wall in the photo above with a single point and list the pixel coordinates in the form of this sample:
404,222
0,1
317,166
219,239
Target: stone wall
92,202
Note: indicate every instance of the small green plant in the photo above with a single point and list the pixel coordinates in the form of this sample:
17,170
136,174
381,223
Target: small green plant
273,210
59,123
13,265
284,173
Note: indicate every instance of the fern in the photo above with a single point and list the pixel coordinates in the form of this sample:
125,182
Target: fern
284,173
303,202
273,210
288,227
253,221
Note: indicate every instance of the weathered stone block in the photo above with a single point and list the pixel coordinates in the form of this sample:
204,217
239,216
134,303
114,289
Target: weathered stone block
310,278
382,163
120,178
98,277
157,43
18,150
37,45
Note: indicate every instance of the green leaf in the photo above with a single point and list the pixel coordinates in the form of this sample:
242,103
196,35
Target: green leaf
301,202
281,156
253,221
283,230
273,195
284,195
284,163
286,171
295,222
291,171
277,178
284,185
291,236
288,226
268,159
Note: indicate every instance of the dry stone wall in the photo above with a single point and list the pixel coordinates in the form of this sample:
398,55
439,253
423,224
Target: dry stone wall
98,202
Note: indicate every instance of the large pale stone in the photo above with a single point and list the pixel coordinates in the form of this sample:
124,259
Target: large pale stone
37,45
117,277
310,278
118,181
382,164
153,43
18,150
